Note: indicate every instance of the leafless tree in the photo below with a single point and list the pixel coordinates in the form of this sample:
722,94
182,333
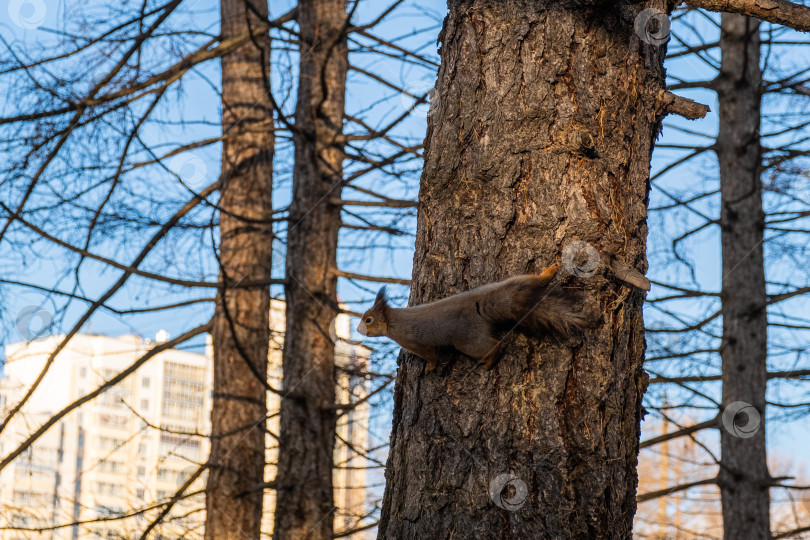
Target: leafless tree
434,424
115,179
693,338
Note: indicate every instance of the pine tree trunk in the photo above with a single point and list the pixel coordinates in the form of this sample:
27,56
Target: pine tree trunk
540,137
241,331
744,476
304,507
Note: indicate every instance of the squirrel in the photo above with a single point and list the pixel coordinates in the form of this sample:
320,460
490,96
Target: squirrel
470,321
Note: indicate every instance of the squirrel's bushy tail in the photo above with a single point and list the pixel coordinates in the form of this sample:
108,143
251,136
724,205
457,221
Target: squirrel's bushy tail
529,303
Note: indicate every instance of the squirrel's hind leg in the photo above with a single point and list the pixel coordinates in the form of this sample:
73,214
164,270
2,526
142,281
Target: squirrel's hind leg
485,349
494,354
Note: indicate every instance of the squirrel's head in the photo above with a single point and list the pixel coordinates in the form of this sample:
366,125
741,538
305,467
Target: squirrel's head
375,321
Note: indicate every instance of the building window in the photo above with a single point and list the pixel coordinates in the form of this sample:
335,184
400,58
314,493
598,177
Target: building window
183,392
179,445
82,372
145,404
141,471
23,498
113,420
103,488
115,467
145,382
20,520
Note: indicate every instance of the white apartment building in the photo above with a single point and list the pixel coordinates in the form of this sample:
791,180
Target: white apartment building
349,477
107,457
133,446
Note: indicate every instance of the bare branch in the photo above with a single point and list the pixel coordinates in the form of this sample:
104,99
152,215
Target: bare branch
390,203
791,374
682,106
680,433
782,12
373,279
674,489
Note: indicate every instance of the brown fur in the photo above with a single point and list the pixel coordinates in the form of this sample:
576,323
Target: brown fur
471,321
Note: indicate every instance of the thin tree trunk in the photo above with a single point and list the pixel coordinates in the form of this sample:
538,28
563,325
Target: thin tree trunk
744,471
241,330
305,507
541,137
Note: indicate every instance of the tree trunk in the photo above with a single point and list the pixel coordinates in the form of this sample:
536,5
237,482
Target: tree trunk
541,137
304,507
744,473
241,331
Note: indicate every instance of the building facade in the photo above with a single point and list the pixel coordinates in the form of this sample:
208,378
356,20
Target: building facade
351,442
121,454
107,469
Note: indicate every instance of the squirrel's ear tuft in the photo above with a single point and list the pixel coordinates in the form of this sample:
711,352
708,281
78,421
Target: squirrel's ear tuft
381,299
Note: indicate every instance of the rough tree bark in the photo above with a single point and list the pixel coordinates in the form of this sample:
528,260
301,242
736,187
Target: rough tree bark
304,507
541,137
744,476
241,331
